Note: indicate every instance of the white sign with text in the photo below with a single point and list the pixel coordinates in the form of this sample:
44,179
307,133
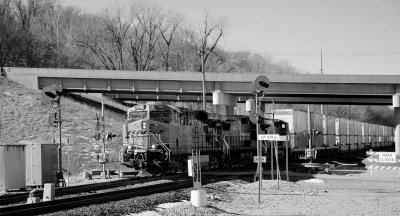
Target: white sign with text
387,157
263,159
270,137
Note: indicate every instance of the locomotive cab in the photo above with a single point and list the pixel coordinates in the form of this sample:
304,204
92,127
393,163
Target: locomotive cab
143,133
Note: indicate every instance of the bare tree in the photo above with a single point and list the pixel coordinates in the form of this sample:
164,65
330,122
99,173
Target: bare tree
89,36
206,40
167,30
118,27
7,31
204,44
145,35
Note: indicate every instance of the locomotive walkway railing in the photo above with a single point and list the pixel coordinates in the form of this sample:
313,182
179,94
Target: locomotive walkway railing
165,147
227,149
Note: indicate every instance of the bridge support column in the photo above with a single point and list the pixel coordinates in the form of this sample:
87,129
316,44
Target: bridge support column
224,103
396,106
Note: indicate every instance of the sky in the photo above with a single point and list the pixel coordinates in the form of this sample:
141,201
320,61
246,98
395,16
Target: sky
355,36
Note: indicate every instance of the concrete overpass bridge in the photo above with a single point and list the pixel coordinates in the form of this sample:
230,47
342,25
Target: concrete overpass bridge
186,86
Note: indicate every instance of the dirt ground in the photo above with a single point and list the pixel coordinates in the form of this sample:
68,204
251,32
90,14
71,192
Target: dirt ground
341,193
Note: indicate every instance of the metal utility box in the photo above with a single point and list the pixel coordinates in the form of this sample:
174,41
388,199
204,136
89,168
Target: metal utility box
41,162
12,166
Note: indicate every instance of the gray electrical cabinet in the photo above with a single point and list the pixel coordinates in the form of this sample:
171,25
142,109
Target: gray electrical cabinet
12,167
41,162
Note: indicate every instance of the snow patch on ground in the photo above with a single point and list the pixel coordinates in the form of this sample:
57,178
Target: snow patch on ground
146,213
317,181
161,207
171,205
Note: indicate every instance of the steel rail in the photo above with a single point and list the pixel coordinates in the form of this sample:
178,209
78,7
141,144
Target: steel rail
20,197
74,202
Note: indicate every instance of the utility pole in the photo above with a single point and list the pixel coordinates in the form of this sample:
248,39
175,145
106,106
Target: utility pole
203,79
309,132
0,124
103,137
322,72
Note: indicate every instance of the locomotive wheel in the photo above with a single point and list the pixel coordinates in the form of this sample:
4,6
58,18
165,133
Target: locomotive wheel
156,169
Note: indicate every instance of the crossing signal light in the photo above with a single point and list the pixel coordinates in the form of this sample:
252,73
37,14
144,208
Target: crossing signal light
52,91
281,127
315,132
97,136
260,84
110,136
53,119
97,128
265,123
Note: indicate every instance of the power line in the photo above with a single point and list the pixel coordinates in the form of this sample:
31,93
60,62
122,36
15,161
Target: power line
336,54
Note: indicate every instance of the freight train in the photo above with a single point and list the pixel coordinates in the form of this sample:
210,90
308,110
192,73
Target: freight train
332,135
159,138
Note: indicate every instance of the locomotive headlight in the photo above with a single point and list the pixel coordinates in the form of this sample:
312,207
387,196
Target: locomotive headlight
153,146
144,125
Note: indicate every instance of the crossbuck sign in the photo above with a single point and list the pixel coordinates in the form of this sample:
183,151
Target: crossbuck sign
271,137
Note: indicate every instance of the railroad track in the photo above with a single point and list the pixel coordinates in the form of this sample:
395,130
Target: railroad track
22,197
73,202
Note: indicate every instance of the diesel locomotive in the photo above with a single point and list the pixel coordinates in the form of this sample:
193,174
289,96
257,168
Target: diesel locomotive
161,137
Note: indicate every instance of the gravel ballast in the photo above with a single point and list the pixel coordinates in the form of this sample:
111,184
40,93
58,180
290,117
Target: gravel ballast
320,194
352,194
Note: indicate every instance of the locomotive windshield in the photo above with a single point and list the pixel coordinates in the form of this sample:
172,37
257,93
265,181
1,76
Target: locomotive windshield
161,116
137,112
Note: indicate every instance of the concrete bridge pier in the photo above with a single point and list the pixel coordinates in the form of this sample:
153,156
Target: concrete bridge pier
224,103
396,106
